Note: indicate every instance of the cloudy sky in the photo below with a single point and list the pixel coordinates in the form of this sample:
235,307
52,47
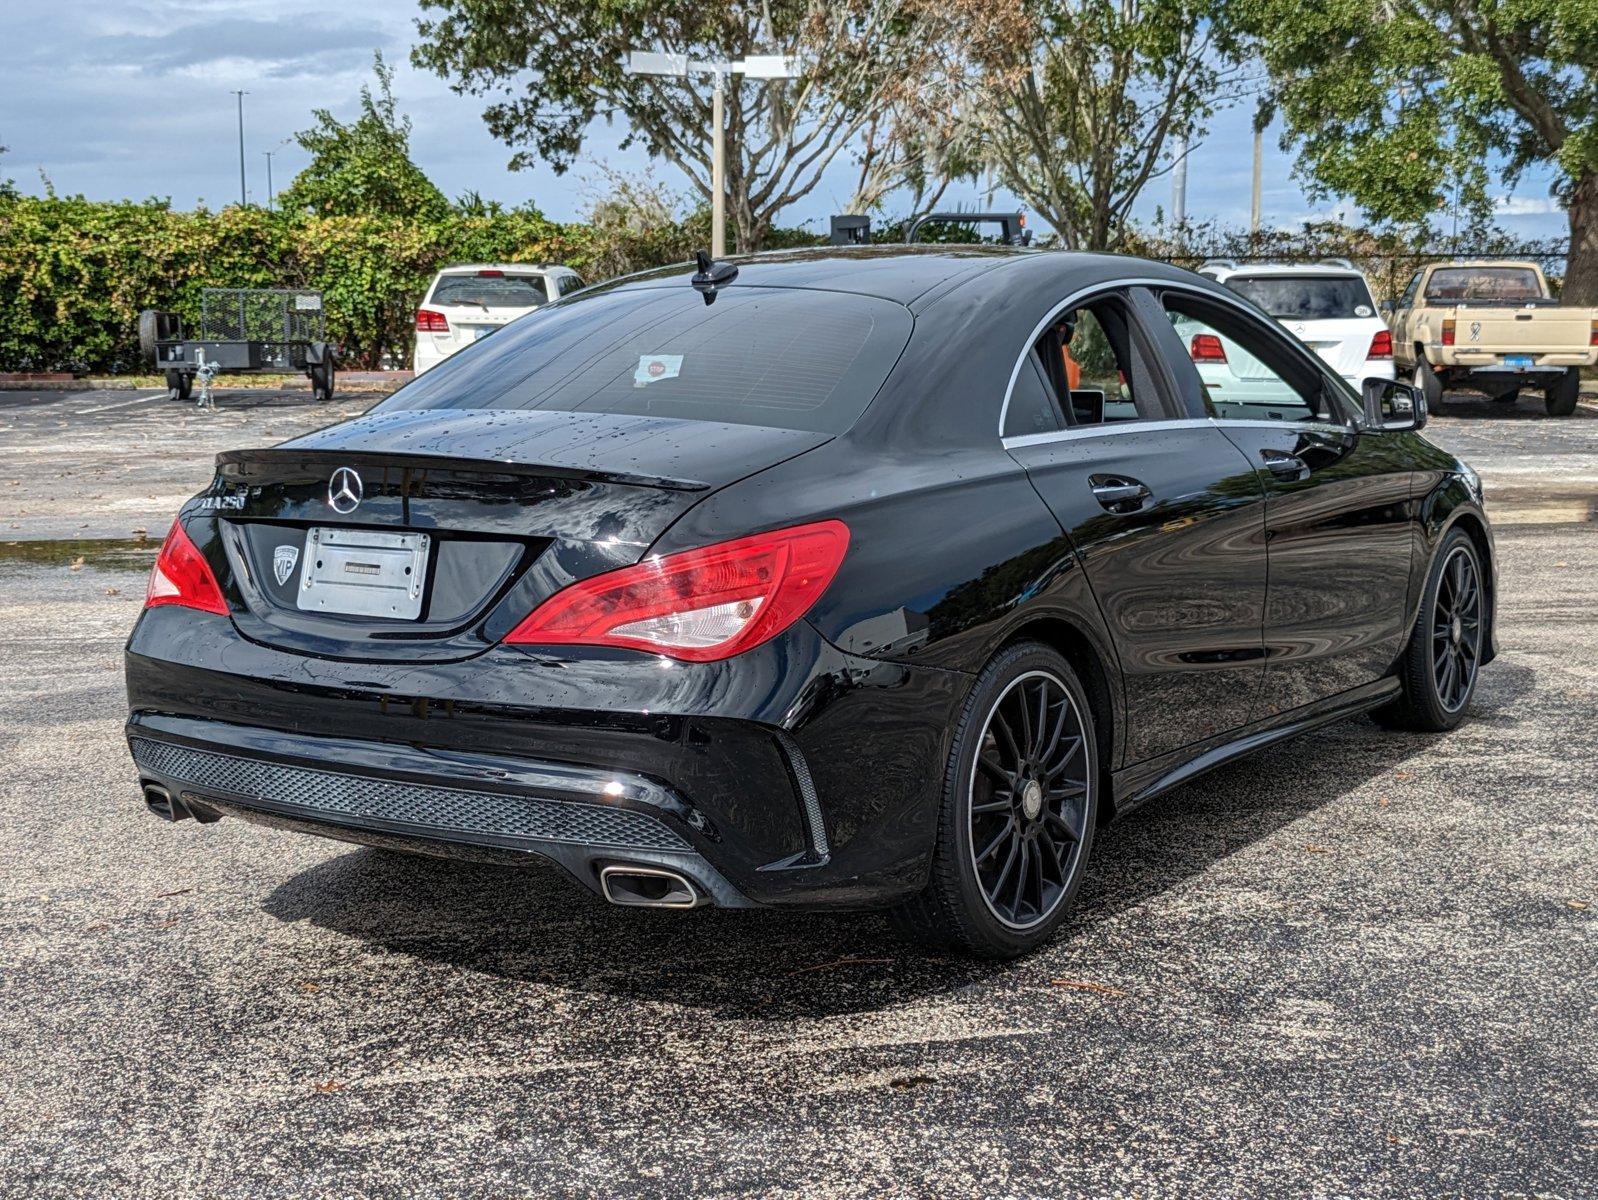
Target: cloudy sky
131,98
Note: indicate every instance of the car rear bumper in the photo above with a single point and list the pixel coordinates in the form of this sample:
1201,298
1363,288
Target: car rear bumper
457,805
791,775
427,356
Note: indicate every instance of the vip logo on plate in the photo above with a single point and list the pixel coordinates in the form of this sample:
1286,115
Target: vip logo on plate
283,560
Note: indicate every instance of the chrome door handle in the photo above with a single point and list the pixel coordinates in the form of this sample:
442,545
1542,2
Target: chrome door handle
1284,465
1119,495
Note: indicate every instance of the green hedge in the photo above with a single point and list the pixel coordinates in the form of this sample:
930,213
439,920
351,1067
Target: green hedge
74,273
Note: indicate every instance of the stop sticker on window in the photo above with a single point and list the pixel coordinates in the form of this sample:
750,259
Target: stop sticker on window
652,368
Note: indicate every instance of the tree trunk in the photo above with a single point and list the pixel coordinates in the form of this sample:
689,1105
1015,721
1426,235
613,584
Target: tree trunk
1581,276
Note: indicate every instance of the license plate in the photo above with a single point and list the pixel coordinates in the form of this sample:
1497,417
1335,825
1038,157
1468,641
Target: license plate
363,573
1519,362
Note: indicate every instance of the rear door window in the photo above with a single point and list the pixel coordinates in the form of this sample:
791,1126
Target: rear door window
781,357
1307,297
1097,366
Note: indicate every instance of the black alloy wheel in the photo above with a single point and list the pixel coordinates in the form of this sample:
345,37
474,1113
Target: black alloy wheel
1438,668
1028,800
1456,629
1020,806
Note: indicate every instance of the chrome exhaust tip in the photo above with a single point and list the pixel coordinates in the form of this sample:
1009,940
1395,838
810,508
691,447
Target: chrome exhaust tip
159,801
648,887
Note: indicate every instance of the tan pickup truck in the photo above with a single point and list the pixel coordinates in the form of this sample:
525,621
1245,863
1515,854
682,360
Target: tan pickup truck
1492,326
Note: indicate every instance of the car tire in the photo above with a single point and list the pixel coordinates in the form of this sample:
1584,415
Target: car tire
1561,397
1432,701
1428,382
974,903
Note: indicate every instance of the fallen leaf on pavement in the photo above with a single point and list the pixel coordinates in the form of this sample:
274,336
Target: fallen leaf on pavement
1403,775
77,563
1578,905
178,892
1086,985
1383,802
1312,848
113,591
327,1085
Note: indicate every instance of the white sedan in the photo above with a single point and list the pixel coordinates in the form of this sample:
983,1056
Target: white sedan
467,303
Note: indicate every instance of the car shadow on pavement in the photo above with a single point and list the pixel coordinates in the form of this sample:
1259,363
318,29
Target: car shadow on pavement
535,925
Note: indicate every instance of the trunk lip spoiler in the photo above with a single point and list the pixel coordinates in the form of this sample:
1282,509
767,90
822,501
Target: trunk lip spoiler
448,462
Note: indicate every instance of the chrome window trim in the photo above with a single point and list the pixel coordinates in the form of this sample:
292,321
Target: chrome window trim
1075,299
1104,430
1115,427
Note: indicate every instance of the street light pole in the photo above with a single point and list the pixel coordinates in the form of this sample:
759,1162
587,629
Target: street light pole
756,66
1254,204
243,195
269,192
718,170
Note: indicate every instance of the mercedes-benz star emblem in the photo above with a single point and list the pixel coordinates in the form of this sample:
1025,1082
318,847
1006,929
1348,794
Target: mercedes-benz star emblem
283,560
344,490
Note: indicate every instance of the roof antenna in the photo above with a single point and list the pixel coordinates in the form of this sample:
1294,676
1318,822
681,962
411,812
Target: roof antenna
712,275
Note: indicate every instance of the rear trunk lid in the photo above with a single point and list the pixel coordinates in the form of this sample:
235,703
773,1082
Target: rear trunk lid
1344,344
428,534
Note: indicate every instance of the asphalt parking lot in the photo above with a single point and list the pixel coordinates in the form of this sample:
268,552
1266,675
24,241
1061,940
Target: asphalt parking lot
1361,964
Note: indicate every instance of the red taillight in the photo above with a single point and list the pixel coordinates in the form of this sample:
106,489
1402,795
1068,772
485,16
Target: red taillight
698,605
1593,339
1206,347
428,321
182,576
490,274
1448,331
1381,345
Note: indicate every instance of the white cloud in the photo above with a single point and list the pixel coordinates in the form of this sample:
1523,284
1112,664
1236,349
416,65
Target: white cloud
1527,206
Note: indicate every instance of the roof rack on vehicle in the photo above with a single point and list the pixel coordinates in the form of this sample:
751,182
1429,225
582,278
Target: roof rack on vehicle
1222,264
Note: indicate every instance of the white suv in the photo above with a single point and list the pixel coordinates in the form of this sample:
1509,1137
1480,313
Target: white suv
465,304
1327,305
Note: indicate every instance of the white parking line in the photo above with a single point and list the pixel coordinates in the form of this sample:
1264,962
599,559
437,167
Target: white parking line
83,412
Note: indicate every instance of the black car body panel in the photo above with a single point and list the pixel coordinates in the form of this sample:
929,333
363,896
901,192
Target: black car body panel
1237,607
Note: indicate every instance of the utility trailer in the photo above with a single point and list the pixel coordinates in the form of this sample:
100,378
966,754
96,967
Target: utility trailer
243,331
852,230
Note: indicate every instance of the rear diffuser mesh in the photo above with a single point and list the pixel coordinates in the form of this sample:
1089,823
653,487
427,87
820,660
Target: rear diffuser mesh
331,796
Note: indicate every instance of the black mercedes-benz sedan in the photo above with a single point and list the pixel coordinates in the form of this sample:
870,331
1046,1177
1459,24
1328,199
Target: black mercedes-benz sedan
840,578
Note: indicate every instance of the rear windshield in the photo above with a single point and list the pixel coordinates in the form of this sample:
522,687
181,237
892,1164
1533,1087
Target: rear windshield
785,358
1307,297
1484,283
491,291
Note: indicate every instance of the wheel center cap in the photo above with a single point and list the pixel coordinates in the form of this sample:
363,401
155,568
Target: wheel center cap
1032,799
1456,631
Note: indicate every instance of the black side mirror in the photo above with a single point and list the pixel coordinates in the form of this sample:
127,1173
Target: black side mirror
1392,405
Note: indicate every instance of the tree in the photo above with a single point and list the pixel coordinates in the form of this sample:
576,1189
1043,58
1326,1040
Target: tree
1086,98
363,168
1398,104
865,64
